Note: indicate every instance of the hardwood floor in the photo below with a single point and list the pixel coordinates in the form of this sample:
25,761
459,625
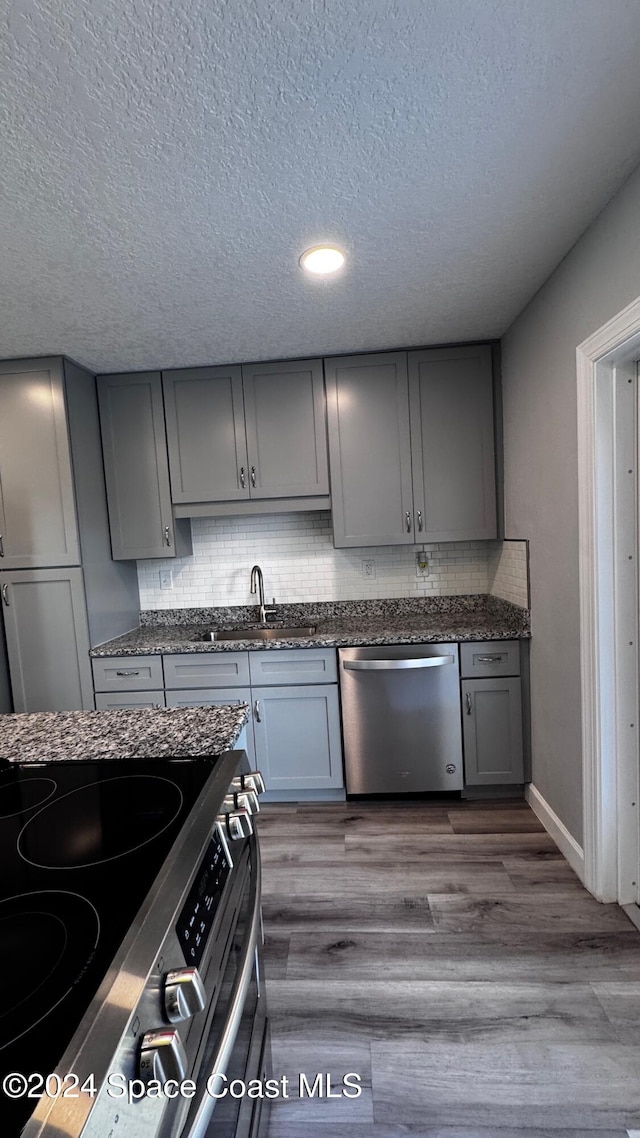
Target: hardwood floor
451,958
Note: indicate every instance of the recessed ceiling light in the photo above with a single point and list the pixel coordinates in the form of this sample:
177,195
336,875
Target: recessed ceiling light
322,259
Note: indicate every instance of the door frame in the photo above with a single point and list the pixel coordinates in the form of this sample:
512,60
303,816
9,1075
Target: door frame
608,554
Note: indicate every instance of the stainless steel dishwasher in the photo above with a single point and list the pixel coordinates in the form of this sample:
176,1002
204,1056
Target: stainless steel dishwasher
401,718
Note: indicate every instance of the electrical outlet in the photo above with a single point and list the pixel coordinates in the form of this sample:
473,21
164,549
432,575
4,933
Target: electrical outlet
166,578
422,564
369,569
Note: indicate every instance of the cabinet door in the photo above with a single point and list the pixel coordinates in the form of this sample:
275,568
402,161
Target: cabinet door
215,697
205,433
37,508
135,463
452,443
285,417
492,731
369,448
47,639
297,736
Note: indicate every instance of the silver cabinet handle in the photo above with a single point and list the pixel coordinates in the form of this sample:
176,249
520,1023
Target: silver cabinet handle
167,535
5,595
242,477
488,659
253,475
256,711
127,673
392,665
408,521
420,521
1,546
468,699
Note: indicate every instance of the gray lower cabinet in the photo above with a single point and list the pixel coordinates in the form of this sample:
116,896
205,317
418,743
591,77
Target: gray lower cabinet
297,737
214,697
246,432
293,734
492,712
119,701
47,634
411,442
134,446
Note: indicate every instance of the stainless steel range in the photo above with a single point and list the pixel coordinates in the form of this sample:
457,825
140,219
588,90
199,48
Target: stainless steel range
130,940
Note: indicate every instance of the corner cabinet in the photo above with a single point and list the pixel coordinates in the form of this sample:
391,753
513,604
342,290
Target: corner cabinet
411,442
134,446
250,432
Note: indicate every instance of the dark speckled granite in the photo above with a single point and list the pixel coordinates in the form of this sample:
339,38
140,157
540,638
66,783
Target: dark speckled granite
166,732
339,624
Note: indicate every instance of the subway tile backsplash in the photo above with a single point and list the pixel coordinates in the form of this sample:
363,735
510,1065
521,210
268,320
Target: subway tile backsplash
300,564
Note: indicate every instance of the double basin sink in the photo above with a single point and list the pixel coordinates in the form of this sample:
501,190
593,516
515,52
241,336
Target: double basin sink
260,632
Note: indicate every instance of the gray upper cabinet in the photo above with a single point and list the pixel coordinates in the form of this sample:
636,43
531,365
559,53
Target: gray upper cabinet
206,434
38,525
136,472
47,639
411,443
251,432
370,450
452,443
286,430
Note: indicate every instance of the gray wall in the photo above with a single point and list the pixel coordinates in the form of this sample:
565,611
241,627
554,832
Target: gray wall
600,276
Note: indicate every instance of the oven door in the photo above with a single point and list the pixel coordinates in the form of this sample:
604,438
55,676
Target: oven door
237,1046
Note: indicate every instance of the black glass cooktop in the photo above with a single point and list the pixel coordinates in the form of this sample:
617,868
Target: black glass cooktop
80,845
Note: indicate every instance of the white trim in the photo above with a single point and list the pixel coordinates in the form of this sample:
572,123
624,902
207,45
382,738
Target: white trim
565,841
606,754
633,913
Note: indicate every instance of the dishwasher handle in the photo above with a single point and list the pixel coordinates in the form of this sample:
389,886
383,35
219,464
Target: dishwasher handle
393,665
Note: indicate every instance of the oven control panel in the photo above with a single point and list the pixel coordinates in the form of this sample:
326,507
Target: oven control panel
196,919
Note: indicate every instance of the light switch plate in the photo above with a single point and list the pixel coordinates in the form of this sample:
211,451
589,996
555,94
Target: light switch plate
166,578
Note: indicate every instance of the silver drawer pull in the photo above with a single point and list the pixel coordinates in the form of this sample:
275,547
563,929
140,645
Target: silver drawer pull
408,521
420,521
167,535
127,673
392,665
488,659
1,546
253,475
468,698
5,595
256,711
242,477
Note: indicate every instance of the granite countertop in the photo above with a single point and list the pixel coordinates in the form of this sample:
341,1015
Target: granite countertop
165,732
338,625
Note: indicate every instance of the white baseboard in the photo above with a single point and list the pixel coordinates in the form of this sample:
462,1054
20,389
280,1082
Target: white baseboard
565,841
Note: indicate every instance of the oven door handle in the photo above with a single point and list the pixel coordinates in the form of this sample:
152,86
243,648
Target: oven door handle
202,1110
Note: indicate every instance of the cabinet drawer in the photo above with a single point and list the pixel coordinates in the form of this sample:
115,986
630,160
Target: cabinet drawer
206,670
490,658
117,700
294,666
127,673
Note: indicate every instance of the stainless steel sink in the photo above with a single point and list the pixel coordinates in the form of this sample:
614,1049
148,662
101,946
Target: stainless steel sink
254,633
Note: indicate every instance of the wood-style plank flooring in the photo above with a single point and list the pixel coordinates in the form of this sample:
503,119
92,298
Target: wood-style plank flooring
449,956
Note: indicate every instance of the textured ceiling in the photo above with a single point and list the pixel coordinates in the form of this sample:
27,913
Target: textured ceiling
165,162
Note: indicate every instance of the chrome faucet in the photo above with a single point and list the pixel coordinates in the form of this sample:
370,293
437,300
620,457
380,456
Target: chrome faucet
256,576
